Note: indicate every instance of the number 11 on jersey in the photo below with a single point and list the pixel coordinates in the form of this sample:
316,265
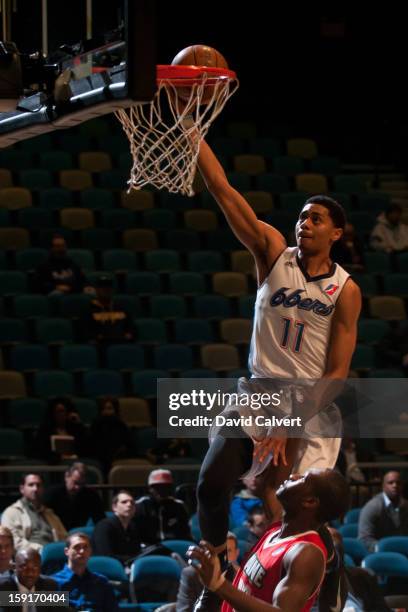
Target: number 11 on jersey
290,327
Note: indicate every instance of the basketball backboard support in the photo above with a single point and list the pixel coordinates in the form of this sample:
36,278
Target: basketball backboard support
99,81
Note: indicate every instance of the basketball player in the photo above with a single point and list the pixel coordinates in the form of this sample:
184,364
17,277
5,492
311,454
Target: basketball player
286,567
305,327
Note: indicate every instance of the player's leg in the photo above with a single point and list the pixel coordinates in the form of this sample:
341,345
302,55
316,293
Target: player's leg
226,461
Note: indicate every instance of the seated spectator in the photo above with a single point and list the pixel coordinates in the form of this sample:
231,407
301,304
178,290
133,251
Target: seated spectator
59,274
390,234
170,448
73,501
31,523
110,436
348,251
118,536
61,419
28,579
393,347
243,502
257,524
386,514
190,585
106,323
363,590
6,553
87,590
159,515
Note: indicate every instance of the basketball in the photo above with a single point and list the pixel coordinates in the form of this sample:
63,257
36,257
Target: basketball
199,55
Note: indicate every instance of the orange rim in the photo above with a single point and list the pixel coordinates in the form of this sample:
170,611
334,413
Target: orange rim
180,76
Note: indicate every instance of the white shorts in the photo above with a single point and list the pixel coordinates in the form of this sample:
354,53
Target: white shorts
314,451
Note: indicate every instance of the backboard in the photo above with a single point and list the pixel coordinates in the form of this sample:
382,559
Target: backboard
116,74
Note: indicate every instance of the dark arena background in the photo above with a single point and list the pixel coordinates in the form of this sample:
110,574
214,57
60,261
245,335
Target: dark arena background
155,285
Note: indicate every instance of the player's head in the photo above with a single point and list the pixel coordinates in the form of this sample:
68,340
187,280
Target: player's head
321,223
320,495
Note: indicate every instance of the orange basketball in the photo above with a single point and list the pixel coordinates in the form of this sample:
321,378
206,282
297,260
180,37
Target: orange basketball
199,55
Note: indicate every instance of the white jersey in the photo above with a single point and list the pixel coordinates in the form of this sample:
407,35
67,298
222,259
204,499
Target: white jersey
293,318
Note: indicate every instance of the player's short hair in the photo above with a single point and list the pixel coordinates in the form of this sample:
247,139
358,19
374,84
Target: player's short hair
336,211
333,492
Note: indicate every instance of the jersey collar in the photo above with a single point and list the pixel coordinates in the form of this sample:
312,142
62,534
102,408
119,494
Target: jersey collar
314,278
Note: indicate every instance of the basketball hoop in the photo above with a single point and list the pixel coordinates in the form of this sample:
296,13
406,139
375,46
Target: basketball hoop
165,134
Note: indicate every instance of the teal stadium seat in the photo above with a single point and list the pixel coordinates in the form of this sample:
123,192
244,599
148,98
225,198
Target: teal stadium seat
193,331
73,357
173,357
151,331
54,330
125,357
51,383
30,357
99,383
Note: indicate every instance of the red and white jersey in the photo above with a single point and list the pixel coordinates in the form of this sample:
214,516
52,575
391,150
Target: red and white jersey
293,318
264,569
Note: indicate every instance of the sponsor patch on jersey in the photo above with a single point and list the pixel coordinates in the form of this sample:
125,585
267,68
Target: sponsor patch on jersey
331,289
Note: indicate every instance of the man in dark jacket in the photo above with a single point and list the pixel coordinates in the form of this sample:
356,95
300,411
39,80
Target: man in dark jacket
118,536
107,322
59,274
159,515
73,501
386,514
28,580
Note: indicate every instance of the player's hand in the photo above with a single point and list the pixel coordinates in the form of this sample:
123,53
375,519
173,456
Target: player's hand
266,446
207,565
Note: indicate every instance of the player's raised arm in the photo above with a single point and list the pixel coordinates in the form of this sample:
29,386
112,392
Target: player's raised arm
264,241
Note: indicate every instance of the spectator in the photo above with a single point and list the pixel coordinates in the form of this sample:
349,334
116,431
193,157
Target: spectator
87,590
61,419
393,347
31,523
386,514
170,448
257,524
28,579
243,502
59,274
190,586
159,515
107,324
118,536
6,553
362,586
73,501
348,251
390,234
111,438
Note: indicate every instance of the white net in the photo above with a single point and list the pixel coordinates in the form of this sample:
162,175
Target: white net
165,134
